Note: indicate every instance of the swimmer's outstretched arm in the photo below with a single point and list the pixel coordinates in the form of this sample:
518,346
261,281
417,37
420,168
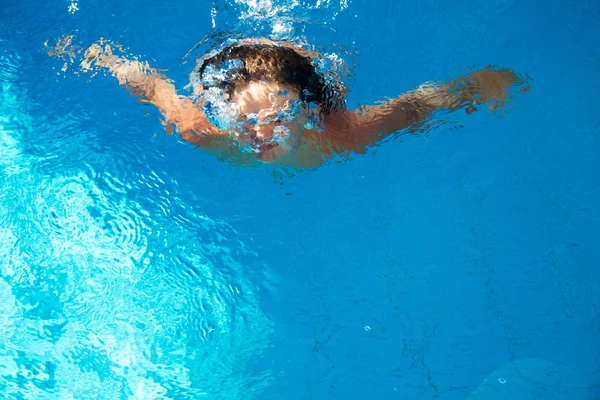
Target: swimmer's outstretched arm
152,87
355,130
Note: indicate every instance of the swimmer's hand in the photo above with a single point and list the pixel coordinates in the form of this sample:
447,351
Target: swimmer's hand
137,76
488,86
90,55
63,49
100,55
154,88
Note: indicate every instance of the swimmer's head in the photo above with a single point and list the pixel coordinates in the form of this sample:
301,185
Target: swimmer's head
271,91
283,63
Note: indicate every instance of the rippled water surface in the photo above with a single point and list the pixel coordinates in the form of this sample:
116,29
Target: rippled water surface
453,265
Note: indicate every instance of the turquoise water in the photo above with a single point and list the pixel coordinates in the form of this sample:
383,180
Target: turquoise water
460,264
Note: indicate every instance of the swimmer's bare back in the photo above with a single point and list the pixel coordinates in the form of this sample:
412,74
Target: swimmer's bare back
346,131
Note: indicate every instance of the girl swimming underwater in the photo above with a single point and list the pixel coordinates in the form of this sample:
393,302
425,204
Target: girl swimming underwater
262,101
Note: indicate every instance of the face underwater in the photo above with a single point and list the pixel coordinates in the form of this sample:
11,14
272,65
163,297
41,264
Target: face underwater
273,118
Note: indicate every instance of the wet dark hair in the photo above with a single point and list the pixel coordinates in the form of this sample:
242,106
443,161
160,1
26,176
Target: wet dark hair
281,64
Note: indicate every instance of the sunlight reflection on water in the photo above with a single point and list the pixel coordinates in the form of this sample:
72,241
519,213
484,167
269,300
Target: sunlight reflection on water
111,286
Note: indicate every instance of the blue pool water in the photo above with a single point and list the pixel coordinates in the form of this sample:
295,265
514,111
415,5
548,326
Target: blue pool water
461,264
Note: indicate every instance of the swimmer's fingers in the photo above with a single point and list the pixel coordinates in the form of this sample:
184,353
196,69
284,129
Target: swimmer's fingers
492,87
495,84
63,47
98,56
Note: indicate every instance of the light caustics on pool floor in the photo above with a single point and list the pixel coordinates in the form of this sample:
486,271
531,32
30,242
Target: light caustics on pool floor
110,285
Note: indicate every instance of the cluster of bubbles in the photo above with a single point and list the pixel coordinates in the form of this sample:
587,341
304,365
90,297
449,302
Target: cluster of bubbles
219,111
282,19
